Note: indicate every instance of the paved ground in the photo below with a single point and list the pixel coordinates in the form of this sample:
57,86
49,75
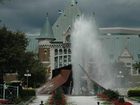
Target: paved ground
38,99
83,100
133,102
75,100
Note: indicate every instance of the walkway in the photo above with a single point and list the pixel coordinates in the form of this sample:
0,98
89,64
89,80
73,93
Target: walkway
133,102
83,100
75,100
39,98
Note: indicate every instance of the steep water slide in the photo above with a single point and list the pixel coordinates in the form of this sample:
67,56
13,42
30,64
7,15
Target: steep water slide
57,81
99,87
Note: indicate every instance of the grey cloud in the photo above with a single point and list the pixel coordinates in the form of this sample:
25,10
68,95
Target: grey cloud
29,15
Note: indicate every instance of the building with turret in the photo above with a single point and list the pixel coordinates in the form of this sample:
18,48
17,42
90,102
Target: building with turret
54,47
54,41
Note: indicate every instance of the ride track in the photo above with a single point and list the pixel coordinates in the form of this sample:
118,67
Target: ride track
97,84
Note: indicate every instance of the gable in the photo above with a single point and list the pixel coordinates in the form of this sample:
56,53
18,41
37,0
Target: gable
125,53
66,19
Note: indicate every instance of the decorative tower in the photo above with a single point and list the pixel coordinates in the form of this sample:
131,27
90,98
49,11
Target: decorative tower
46,36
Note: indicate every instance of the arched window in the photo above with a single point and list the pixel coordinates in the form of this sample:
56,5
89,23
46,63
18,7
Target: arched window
56,62
56,52
60,51
68,38
69,51
65,51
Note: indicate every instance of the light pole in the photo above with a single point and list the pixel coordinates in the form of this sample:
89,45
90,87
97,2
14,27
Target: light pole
27,75
120,76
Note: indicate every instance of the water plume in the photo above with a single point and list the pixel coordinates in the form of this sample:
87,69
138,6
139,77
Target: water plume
87,51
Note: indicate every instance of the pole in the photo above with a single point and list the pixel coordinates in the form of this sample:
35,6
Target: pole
4,91
27,81
17,91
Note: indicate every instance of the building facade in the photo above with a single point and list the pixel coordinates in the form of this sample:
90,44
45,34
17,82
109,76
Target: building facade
54,46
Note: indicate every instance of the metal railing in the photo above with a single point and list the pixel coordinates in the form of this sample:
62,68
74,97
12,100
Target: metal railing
8,91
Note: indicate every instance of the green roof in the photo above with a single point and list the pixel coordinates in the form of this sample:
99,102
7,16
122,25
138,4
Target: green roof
66,19
33,43
46,31
115,44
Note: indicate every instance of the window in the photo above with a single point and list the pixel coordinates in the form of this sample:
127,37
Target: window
128,64
69,58
56,62
69,51
56,52
139,56
65,51
60,59
65,59
60,52
68,38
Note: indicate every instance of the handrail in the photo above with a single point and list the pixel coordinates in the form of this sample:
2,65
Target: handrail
91,78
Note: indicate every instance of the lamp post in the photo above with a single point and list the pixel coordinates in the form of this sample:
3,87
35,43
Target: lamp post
27,75
120,76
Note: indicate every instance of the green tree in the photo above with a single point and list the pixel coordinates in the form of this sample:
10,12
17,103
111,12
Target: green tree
15,58
136,65
13,46
35,67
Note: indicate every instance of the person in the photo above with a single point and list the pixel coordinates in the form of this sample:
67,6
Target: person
98,103
41,103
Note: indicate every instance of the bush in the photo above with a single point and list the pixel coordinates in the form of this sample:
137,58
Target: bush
134,93
111,94
28,92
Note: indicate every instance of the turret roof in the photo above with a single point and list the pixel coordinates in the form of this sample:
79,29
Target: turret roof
46,31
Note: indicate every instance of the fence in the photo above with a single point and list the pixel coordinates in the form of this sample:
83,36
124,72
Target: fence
8,91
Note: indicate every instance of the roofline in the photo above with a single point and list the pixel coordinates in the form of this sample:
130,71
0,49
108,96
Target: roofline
45,38
120,30
123,28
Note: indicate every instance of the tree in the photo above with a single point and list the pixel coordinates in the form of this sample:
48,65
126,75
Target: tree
136,65
15,58
13,46
38,73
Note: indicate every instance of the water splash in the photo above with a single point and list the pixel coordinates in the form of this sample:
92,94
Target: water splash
87,51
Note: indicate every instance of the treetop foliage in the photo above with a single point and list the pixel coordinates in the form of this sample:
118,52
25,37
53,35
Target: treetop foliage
15,58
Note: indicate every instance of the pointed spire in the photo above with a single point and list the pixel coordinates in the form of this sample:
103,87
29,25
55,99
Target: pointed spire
46,31
73,2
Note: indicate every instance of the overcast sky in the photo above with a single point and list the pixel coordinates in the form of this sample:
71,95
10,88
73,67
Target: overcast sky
29,15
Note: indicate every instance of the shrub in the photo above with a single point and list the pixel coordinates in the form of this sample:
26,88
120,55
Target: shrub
133,93
28,92
111,94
